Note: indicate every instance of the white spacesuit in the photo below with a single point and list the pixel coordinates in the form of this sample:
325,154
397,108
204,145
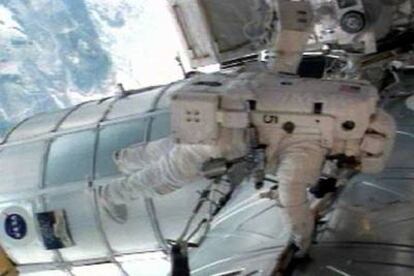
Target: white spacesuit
346,122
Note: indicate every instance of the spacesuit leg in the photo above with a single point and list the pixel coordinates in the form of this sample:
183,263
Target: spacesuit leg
136,157
180,166
300,163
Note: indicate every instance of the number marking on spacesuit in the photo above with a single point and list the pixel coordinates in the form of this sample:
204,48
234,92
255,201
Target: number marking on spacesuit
270,119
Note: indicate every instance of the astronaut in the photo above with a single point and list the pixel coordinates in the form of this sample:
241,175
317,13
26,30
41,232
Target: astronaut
292,128
343,124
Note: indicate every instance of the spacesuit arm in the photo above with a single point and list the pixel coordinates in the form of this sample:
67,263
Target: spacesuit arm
180,166
139,156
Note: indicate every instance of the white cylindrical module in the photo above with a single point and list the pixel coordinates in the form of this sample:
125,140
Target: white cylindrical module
55,162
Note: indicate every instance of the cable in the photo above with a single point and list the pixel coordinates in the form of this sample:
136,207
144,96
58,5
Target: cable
179,248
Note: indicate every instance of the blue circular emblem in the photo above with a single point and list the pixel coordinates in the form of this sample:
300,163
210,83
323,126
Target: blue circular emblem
15,226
